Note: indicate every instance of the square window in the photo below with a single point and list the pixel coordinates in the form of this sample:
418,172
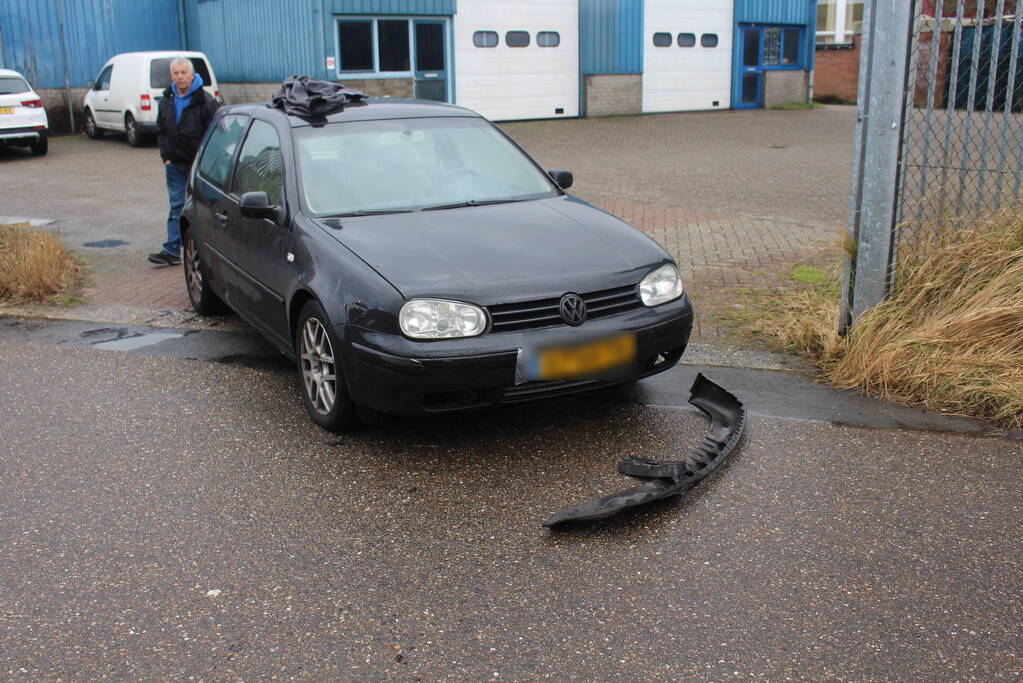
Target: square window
484,39
791,46
516,38
548,39
686,39
662,40
709,40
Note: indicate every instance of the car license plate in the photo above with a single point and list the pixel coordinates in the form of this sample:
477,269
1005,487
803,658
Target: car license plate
6,110
587,359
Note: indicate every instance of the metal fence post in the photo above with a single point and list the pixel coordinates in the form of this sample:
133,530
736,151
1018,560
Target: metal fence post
887,32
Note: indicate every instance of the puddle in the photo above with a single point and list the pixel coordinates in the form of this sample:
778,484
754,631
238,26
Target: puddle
127,339
105,244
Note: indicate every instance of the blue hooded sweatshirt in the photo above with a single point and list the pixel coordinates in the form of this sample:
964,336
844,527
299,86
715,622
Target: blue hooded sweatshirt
182,101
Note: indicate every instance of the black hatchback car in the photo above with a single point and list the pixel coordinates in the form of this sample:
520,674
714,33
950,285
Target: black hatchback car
412,259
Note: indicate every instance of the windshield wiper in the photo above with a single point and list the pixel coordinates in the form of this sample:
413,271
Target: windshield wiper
371,212
472,202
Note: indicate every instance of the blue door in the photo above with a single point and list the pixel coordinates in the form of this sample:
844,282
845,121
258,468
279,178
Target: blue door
751,73
431,63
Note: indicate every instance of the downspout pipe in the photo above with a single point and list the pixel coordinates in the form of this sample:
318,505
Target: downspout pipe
182,25
67,69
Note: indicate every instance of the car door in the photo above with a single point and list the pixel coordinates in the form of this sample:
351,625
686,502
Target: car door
214,208
260,244
104,115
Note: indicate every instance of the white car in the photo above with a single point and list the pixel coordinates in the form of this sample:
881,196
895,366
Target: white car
125,94
22,117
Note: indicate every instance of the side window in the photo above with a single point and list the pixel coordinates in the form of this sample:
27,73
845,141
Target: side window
215,163
548,39
709,40
260,165
103,81
686,39
516,38
484,39
662,40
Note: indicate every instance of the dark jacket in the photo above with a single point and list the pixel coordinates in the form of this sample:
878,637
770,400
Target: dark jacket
179,140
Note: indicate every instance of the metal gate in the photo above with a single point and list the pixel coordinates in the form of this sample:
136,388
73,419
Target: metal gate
939,130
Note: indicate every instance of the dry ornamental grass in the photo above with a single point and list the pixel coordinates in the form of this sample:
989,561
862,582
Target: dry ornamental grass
34,265
949,337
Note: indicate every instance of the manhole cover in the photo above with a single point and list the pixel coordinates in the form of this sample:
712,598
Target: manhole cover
105,244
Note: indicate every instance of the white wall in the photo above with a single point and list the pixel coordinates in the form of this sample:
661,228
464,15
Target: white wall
505,83
691,78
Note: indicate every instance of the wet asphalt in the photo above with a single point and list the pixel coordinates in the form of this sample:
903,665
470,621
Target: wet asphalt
172,518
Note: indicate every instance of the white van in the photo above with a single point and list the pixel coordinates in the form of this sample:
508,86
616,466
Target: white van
124,96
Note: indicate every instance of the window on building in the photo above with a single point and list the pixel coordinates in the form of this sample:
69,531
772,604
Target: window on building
838,21
662,40
783,46
709,40
686,39
516,38
215,164
356,45
485,39
548,39
393,45
260,167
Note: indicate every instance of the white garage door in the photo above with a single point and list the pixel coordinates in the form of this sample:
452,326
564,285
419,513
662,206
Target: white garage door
694,69
502,82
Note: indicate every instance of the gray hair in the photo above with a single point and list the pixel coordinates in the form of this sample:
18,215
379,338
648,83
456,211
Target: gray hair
183,60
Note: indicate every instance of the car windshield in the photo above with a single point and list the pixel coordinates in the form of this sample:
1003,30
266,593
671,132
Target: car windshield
12,84
410,164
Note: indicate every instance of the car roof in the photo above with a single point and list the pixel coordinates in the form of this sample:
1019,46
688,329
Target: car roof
370,109
11,72
162,53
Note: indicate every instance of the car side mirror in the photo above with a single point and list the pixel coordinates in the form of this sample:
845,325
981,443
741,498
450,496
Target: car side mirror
257,205
562,177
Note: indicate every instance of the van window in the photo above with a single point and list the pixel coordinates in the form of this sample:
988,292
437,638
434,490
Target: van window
103,80
159,71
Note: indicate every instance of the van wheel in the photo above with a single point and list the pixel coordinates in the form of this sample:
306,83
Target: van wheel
92,131
40,146
131,131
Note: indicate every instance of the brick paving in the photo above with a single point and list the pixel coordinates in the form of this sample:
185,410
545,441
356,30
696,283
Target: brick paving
731,195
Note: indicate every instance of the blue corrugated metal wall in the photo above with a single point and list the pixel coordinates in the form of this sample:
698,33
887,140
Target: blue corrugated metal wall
94,30
611,36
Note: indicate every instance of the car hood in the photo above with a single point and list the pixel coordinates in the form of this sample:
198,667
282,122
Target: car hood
502,252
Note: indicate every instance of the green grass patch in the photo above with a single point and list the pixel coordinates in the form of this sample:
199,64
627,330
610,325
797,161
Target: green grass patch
796,106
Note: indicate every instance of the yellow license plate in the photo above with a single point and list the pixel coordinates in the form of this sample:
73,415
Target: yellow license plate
6,110
587,359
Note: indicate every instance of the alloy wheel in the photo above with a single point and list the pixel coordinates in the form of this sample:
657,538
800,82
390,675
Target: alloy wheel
318,370
193,275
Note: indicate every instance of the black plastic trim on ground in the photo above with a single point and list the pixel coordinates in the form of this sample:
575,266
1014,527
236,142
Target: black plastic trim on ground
668,478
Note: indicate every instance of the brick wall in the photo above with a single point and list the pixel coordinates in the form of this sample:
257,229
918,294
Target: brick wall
836,72
235,93
56,108
613,94
784,87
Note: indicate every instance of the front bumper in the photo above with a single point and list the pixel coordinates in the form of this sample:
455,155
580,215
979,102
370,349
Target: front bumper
395,375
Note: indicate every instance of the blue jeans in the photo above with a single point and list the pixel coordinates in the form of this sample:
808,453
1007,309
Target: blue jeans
176,181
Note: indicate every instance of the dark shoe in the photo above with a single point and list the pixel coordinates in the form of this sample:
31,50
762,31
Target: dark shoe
164,258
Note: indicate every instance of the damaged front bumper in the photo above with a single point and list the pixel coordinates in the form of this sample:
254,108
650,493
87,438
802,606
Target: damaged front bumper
669,478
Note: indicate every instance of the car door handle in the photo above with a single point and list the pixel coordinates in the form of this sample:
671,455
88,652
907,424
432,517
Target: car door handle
221,218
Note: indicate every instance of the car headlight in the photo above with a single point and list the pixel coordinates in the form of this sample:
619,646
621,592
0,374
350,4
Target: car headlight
661,286
440,319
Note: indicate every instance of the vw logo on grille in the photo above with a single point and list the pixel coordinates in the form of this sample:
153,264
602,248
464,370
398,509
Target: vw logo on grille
573,309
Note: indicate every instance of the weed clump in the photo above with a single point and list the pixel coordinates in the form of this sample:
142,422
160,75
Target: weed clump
34,265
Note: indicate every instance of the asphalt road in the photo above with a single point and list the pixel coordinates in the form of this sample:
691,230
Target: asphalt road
165,518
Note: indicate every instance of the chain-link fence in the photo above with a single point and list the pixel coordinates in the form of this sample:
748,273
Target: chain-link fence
962,141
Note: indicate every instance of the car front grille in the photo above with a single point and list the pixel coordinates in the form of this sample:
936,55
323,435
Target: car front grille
529,315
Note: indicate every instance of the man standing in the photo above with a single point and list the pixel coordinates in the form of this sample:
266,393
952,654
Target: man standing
184,113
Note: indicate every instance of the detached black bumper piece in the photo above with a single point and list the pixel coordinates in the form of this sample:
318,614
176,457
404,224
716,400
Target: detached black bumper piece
669,478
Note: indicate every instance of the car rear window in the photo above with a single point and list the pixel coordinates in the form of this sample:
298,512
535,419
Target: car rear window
12,84
159,71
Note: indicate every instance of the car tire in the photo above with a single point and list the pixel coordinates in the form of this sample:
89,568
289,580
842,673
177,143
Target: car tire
41,145
92,131
204,300
131,131
322,382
